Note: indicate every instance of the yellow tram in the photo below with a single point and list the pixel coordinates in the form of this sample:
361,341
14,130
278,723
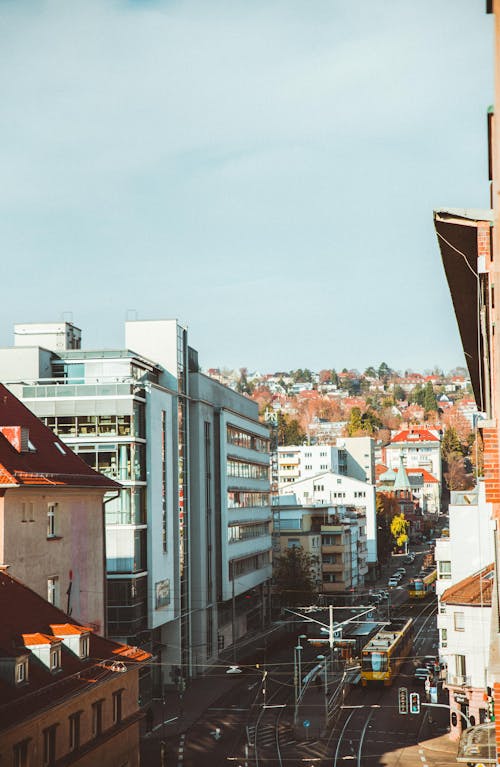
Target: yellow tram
422,585
383,655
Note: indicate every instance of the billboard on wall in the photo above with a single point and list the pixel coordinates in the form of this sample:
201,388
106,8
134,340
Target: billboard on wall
162,589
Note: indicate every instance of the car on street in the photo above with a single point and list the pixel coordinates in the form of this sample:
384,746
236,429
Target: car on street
393,582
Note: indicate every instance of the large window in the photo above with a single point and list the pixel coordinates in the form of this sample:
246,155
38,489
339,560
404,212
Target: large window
241,499
117,706
248,564
97,718
74,731
247,470
246,439
126,550
49,746
99,425
127,606
124,461
53,590
129,508
21,753
51,520
244,532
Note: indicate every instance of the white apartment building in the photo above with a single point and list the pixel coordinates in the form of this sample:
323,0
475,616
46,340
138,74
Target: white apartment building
331,489
464,623
420,448
469,547
352,456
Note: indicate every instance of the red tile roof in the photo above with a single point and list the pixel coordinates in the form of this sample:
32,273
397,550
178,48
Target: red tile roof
426,475
25,613
50,462
474,590
414,435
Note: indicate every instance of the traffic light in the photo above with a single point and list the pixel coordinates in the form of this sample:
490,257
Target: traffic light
403,700
414,703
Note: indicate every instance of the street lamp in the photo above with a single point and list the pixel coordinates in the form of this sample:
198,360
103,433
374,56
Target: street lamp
322,660
299,648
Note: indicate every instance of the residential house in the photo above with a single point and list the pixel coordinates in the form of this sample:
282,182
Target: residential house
67,695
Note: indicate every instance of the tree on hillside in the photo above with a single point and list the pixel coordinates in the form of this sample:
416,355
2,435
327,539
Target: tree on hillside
243,385
429,402
289,431
384,372
370,372
385,510
360,424
294,575
399,393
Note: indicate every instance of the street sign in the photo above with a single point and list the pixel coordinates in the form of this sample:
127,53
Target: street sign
403,700
306,723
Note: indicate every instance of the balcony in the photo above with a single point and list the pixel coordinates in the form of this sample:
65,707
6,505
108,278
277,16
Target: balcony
333,549
332,567
458,680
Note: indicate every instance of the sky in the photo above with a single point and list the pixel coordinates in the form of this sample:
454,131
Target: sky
263,170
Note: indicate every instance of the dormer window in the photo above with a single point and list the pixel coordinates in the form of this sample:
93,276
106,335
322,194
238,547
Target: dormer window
21,671
55,658
84,646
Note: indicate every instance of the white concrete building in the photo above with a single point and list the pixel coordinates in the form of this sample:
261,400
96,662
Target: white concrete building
420,449
331,489
469,547
360,457
464,623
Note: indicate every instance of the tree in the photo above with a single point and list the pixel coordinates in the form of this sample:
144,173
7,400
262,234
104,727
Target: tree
477,455
399,393
289,431
399,529
451,443
384,371
456,477
243,385
385,509
429,402
362,423
294,575
370,372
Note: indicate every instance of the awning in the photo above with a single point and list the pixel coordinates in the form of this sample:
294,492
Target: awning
457,236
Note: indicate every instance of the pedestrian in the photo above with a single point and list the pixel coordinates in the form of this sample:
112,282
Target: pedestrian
149,719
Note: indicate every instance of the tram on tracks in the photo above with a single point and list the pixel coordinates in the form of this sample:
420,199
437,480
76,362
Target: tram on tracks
383,655
423,584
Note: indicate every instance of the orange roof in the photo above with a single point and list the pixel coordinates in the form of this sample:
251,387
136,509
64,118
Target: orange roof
68,629
426,475
414,435
38,638
474,590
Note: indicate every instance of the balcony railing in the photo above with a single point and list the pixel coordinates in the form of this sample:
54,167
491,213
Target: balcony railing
458,680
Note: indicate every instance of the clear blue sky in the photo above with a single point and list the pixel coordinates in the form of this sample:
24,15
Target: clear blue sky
263,170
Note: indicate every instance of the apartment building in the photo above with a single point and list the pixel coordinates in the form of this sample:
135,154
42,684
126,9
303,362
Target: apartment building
464,623
67,695
420,449
129,413
352,456
335,536
330,489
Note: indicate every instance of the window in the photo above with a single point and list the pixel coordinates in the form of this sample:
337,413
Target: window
97,718
74,731
21,671
117,707
460,666
20,754
459,621
444,570
444,637
55,659
53,590
49,746
51,520
84,647
293,543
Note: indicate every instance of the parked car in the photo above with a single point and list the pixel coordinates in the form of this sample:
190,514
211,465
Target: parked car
393,582
401,570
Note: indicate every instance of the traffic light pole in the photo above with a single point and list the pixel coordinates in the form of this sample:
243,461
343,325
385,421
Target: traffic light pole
452,710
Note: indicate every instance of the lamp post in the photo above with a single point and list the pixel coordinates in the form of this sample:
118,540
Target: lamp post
322,660
296,676
299,659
